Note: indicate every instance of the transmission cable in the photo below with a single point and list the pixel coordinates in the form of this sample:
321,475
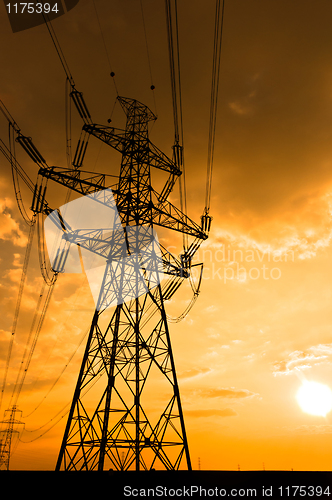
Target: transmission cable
218,32
28,340
58,413
112,74
60,375
49,275
19,383
68,123
173,69
17,308
14,169
15,164
152,87
58,49
175,75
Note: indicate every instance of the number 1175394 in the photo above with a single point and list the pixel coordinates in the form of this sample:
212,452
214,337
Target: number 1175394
32,8
304,491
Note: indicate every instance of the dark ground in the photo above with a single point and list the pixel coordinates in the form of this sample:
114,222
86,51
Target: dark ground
169,485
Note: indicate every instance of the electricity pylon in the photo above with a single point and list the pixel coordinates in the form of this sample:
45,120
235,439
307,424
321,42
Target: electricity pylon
10,431
118,431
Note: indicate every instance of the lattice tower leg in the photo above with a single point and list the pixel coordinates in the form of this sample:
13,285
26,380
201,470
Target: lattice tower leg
121,428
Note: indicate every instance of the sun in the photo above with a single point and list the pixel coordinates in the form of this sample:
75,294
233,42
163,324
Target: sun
315,398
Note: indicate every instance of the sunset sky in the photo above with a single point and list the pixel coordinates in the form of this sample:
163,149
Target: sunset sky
262,324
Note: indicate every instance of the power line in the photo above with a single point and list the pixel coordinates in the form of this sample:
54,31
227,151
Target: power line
19,384
175,75
60,375
48,274
40,298
75,95
173,69
59,50
58,413
17,309
218,31
112,74
15,175
68,124
152,87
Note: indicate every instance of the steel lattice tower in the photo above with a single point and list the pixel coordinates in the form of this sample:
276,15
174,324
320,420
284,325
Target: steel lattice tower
120,431
10,431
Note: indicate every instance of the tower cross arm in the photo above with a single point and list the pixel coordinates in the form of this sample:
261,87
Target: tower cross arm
167,215
120,141
109,135
81,181
159,160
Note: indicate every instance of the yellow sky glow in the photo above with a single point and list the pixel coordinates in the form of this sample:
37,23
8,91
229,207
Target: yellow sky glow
263,320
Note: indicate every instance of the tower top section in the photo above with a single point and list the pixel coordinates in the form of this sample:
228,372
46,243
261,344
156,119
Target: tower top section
136,111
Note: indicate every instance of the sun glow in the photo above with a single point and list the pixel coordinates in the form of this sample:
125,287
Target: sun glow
315,398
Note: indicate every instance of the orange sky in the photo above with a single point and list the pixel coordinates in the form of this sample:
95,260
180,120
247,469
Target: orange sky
262,323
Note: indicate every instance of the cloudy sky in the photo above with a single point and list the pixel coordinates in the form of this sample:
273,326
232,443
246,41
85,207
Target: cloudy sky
262,323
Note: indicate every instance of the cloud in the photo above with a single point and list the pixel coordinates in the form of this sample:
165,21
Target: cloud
194,372
9,228
4,343
302,229
17,260
245,104
226,412
312,429
305,243
303,360
14,275
240,108
231,393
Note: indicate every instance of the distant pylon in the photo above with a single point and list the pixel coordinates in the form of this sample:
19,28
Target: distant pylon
7,433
